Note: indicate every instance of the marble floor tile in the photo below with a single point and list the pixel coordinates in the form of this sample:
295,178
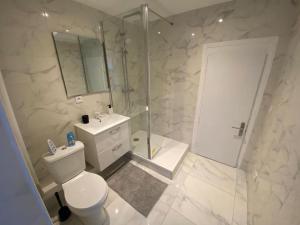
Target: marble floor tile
170,194
203,203
188,162
196,212
158,213
221,176
240,201
174,218
241,183
121,213
112,195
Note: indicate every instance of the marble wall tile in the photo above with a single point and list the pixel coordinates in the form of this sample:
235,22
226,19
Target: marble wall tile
273,158
31,72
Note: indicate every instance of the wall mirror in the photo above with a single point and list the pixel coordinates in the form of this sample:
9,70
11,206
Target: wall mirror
82,63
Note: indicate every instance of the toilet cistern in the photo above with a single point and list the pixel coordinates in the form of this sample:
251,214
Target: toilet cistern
85,192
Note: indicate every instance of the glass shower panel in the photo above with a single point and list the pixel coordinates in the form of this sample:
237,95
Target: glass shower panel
160,88
134,59
129,82
113,46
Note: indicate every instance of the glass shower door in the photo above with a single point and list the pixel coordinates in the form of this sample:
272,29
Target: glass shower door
133,57
134,79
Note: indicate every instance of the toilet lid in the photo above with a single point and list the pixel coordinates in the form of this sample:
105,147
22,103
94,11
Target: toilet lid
85,190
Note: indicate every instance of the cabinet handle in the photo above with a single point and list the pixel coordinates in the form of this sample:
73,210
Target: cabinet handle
114,131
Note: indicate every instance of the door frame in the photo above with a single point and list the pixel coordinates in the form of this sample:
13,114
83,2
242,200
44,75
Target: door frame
271,43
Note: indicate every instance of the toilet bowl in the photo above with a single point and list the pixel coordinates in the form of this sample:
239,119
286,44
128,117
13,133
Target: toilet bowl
85,193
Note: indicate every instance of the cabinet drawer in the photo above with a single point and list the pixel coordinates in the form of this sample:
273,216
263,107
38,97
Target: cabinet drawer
107,157
112,138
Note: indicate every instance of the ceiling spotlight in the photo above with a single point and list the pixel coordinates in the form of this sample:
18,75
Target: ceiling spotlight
158,32
45,14
67,30
220,20
193,34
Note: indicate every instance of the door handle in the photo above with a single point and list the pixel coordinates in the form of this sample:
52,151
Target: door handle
241,129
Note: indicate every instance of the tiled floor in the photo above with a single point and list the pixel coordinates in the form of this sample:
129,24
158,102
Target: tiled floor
203,192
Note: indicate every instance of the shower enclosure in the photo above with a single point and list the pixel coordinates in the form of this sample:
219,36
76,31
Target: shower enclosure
136,89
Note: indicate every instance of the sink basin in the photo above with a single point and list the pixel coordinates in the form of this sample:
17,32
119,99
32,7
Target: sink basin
95,127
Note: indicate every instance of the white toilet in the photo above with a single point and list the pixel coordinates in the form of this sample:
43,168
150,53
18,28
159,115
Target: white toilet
85,192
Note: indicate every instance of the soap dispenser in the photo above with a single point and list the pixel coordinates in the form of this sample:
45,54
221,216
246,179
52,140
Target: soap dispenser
71,138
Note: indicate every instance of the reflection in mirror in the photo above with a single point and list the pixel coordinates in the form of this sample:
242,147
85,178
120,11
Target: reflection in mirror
92,55
69,57
82,64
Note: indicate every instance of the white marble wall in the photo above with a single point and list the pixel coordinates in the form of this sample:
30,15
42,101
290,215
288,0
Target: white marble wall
176,54
273,158
31,72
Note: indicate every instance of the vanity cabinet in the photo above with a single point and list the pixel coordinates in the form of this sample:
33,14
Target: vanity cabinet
105,142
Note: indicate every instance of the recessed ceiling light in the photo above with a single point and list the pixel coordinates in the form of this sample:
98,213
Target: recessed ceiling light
45,14
193,34
158,32
220,20
67,30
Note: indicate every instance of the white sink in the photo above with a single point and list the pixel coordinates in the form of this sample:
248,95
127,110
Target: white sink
95,127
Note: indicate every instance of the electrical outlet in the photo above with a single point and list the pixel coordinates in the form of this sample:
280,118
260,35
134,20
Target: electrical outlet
78,99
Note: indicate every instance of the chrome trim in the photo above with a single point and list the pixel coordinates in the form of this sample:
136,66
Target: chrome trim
102,41
145,18
163,18
125,69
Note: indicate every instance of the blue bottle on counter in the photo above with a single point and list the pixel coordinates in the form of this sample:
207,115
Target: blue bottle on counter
71,138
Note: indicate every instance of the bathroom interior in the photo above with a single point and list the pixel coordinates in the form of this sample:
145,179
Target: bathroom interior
107,116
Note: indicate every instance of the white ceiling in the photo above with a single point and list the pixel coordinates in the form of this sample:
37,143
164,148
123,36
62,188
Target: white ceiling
164,7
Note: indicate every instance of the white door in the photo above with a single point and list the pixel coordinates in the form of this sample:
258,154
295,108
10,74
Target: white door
231,79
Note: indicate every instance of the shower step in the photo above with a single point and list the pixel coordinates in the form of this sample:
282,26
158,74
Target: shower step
167,160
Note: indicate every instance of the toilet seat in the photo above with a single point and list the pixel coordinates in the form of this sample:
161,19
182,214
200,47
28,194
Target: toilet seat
85,192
